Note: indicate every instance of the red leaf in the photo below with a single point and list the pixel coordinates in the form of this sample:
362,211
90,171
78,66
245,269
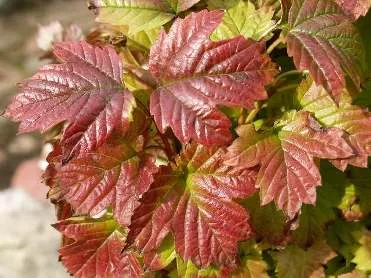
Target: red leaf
196,75
194,202
115,175
288,174
354,8
85,90
95,249
324,41
354,120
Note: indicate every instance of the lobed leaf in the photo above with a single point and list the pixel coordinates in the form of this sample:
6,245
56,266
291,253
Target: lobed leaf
96,249
244,19
85,90
323,40
354,120
289,155
138,15
115,175
294,262
195,75
194,202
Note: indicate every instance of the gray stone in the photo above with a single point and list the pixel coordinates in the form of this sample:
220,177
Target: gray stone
28,244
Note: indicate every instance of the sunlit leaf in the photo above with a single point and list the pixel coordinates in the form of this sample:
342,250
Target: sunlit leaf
288,174
323,40
196,75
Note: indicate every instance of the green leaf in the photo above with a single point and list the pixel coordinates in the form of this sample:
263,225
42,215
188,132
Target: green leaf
354,274
251,267
221,4
313,219
340,237
186,269
162,257
143,39
244,19
361,178
138,15
181,5
269,223
363,25
252,264
362,256
349,205
295,262
354,120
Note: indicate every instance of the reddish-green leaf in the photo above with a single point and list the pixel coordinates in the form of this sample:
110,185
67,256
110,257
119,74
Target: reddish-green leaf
288,173
354,120
354,8
194,202
85,90
96,249
115,175
294,262
195,75
323,40
138,15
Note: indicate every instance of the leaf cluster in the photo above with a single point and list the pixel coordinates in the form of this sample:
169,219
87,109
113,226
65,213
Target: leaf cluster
196,138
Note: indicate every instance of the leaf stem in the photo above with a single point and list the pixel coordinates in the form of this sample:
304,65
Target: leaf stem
279,40
253,113
167,147
287,74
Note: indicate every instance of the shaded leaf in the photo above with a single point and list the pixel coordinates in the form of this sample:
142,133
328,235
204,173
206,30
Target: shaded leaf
182,5
96,249
294,262
244,19
361,179
363,24
289,155
268,222
85,90
194,202
196,75
313,220
115,175
354,120
324,41
252,264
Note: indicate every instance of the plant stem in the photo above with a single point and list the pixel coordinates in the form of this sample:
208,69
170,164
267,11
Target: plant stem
167,147
275,44
287,74
253,113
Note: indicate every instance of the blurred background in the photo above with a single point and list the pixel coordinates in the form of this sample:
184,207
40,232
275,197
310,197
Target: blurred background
28,244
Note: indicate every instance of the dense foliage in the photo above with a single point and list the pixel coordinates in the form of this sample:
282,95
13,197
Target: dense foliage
209,138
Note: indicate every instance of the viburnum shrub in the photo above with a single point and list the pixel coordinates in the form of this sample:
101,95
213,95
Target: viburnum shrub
209,139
